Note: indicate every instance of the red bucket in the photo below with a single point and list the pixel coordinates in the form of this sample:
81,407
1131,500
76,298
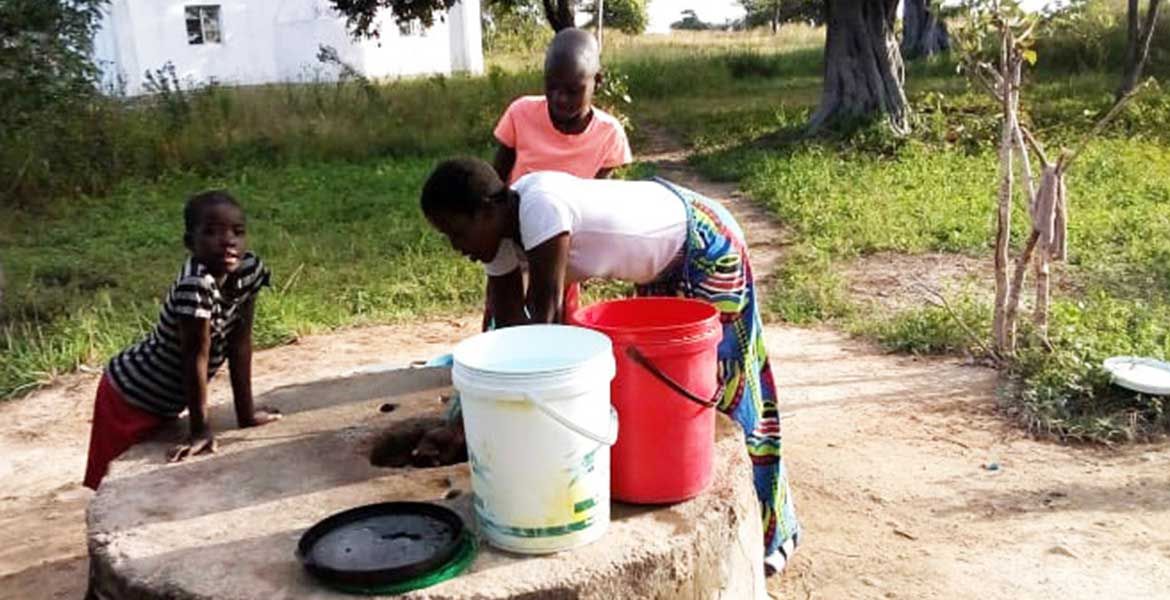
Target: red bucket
667,373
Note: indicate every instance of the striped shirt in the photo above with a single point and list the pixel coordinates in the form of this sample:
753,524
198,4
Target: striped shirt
149,374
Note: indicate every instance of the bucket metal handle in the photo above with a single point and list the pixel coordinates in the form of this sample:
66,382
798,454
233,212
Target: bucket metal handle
644,362
608,440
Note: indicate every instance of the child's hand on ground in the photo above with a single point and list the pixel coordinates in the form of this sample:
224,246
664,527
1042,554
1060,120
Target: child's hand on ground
198,444
263,416
443,445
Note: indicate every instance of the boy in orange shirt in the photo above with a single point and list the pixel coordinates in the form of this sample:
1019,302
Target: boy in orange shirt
562,130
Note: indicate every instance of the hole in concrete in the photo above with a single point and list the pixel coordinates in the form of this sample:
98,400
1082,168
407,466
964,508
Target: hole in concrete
395,448
388,407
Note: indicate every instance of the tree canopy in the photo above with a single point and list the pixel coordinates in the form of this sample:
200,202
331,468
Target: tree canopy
689,21
775,12
627,16
361,14
45,55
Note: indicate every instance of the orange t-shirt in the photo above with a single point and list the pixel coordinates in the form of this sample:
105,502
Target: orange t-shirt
527,128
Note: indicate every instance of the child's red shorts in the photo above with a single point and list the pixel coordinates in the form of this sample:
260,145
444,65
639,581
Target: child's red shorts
116,426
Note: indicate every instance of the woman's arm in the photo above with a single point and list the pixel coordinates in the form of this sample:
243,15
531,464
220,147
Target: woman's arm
505,298
547,265
504,162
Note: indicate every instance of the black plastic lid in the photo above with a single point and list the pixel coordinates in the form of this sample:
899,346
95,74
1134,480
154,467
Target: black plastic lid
381,544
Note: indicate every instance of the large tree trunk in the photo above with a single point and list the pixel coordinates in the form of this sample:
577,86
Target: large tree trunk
863,67
560,14
923,33
1137,49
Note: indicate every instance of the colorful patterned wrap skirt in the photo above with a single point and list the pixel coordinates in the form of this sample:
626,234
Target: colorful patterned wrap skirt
714,268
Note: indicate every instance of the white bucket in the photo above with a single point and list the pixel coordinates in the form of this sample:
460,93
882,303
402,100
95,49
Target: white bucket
539,428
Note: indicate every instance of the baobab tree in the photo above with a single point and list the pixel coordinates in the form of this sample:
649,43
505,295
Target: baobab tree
863,69
923,32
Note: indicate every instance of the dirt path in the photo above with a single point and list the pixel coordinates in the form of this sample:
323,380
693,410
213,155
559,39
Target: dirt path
889,458
766,237
910,485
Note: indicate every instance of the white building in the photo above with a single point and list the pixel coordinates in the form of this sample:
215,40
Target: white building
264,41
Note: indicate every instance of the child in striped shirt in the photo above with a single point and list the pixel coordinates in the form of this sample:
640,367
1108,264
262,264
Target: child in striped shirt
206,320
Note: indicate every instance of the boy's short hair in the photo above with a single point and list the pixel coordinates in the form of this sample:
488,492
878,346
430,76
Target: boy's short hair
461,186
197,204
576,47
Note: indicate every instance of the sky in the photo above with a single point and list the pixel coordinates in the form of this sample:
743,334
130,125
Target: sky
665,12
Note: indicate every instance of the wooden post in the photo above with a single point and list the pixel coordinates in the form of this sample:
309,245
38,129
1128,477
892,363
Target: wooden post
1047,253
1043,295
1003,232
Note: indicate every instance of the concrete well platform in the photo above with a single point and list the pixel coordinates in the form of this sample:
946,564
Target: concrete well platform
226,526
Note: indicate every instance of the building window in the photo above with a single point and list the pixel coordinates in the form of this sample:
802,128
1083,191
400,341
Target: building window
411,28
203,25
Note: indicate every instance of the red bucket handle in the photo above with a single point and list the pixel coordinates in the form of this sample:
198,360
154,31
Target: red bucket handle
637,356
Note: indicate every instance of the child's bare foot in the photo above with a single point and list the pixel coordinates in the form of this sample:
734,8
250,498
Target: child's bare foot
263,416
198,444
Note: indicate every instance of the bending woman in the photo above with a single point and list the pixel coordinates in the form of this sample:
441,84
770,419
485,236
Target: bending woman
665,239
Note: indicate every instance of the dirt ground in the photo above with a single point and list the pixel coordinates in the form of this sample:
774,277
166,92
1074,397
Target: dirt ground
908,483
890,282
891,460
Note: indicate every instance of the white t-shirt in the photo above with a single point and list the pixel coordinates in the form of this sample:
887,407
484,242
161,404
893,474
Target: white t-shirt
626,230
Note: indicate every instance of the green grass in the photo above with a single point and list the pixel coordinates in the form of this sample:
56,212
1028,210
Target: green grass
867,192
330,175
931,329
346,244
211,129
1065,393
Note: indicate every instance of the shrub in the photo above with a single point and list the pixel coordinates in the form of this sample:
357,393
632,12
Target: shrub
48,92
749,63
45,63
933,329
514,27
1091,36
627,16
1066,392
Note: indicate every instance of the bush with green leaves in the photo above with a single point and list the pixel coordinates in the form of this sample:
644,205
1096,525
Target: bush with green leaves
1066,392
760,13
689,21
45,57
1090,35
614,96
514,27
48,86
